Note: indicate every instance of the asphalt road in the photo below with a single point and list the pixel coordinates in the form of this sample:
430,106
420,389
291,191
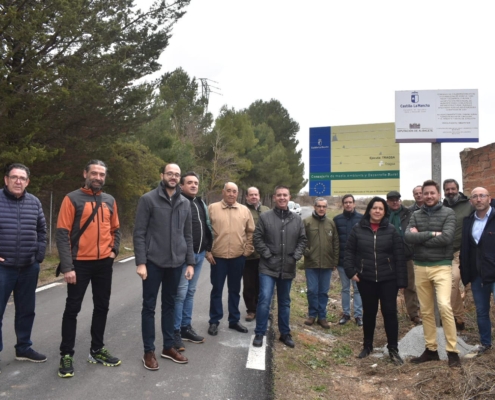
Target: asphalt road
216,368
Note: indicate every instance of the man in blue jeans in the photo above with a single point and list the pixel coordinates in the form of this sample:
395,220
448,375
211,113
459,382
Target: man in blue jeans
477,261
22,248
280,239
202,239
344,223
162,245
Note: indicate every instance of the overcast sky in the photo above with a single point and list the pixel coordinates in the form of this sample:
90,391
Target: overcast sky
334,63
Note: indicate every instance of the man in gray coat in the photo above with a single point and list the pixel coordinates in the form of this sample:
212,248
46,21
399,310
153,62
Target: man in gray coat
280,239
163,244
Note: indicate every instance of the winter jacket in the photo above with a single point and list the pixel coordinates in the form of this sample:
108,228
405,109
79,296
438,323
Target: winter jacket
22,230
280,240
101,237
322,248
462,209
255,212
163,229
404,216
201,224
344,223
233,228
375,256
478,259
414,207
430,250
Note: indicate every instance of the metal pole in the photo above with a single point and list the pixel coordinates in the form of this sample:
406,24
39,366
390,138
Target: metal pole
51,210
436,175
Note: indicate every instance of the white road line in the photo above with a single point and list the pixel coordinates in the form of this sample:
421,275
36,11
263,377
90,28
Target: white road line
127,259
256,356
48,286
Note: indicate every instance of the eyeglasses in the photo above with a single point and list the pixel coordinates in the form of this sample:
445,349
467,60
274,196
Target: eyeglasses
479,196
15,178
321,206
171,174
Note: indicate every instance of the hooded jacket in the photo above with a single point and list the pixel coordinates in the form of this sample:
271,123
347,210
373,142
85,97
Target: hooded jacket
163,229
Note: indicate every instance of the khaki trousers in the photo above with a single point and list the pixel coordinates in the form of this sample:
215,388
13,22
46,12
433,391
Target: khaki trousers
410,295
431,280
455,297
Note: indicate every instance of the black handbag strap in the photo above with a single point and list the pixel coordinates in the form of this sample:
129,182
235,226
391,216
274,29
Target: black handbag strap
88,221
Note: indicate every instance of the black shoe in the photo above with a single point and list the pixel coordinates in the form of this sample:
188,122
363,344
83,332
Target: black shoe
258,341
66,367
104,357
482,349
359,321
287,340
344,319
188,334
427,355
178,345
459,324
30,355
365,352
213,330
394,356
454,360
238,327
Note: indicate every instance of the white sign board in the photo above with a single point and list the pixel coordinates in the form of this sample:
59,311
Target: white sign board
436,116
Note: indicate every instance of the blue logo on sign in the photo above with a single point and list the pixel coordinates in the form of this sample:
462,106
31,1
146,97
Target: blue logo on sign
414,97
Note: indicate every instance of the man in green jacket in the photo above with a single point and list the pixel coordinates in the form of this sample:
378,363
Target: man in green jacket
320,259
431,232
462,207
250,275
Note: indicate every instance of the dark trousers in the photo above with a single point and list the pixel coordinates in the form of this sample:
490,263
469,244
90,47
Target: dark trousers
21,281
385,295
230,269
169,279
99,273
251,282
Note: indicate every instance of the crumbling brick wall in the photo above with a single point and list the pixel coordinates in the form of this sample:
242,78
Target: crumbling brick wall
478,168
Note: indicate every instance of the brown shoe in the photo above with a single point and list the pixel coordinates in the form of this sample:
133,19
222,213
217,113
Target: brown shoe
310,321
251,316
459,324
428,355
323,323
416,320
174,355
149,361
454,360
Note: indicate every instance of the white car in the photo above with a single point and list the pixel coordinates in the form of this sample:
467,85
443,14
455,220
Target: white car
297,209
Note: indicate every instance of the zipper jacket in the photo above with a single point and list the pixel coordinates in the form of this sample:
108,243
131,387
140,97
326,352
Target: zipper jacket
322,248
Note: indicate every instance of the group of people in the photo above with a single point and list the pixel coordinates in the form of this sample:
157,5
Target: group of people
388,248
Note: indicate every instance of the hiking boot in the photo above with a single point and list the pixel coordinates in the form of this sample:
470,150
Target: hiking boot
416,320
394,356
104,357
427,355
258,341
178,345
287,340
344,319
213,330
323,323
66,367
459,324
454,360
251,316
174,355
365,352
189,335
482,349
359,321
30,355
310,321
149,361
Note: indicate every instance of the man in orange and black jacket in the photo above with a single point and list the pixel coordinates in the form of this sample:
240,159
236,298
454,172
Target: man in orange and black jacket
86,259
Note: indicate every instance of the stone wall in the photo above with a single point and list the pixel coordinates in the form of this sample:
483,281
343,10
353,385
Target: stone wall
478,168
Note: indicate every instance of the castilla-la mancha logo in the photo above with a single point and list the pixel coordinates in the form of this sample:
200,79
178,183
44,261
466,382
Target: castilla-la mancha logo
414,97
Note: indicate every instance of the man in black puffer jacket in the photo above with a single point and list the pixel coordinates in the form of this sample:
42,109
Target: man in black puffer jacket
22,249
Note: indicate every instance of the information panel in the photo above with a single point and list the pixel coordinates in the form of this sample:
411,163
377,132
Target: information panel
357,159
436,116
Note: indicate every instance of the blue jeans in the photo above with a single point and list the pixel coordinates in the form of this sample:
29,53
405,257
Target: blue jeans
267,284
21,281
318,282
346,295
230,269
185,293
481,296
169,278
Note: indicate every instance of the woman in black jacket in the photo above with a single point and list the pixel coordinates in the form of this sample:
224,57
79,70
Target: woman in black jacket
374,258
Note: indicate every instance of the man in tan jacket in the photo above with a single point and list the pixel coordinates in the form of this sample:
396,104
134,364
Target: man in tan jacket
233,228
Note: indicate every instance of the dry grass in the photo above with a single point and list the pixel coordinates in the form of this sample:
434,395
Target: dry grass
323,365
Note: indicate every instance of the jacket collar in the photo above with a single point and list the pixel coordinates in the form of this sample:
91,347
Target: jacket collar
11,196
225,205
